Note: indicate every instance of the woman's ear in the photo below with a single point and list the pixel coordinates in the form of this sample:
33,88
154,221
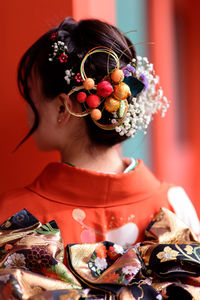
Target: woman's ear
63,114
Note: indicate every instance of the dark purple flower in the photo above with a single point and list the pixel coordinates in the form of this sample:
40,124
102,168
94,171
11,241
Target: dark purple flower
38,258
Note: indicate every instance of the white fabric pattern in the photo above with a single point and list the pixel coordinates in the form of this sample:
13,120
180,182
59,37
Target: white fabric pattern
125,235
184,208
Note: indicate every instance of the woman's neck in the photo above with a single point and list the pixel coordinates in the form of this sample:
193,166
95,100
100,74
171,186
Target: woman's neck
100,159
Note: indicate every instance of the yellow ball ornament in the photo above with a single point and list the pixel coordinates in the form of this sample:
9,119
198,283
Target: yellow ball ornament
117,75
121,91
89,83
96,114
111,104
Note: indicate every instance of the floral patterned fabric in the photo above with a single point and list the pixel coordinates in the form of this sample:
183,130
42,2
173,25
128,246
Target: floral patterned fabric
163,266
26,245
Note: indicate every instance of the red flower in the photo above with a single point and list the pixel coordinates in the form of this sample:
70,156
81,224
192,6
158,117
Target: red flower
53,36
8,247
78,77
101,251
110,277
7,291
63,58
112,254
49,273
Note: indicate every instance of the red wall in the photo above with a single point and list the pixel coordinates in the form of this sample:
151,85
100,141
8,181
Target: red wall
176,59
22,22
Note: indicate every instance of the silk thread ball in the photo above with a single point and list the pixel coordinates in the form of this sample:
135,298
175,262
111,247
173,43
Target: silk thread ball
121,91
111,104
88,83
104,89
96,114
117,75
93,101
81,97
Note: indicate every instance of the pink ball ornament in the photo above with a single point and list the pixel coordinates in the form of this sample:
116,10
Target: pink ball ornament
104,89
93,101
81,97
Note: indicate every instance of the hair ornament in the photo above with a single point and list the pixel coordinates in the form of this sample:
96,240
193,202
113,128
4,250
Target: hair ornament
145,104
59,50
131,94
69,75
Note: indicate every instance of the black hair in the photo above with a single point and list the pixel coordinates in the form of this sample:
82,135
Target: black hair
79,37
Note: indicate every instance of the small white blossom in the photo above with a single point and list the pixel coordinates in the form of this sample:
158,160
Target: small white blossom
101,263
118,249
68,76
118,129
159,297
130,270
15,260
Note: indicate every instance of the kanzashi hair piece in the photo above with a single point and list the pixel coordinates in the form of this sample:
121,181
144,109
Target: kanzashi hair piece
59,51
131,95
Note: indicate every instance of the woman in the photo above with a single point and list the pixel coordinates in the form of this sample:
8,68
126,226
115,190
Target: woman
93,194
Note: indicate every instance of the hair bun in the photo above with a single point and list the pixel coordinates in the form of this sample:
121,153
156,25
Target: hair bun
68,25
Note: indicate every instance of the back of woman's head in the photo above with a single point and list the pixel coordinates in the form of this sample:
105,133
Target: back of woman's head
79,37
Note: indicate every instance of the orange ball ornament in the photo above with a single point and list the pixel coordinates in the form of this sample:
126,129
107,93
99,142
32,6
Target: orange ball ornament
117,75
96,114
111,104
88,83
122,91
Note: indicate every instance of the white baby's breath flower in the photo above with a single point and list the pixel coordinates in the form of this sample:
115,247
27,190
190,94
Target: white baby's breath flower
69,74
146,104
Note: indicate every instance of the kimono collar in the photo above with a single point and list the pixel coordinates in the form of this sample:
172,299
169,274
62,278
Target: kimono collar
75,186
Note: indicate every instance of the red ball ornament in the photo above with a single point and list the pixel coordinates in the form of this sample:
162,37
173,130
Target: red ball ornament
93,101
104,89
81,97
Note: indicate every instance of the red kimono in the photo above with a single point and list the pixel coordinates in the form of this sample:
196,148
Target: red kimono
90,206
